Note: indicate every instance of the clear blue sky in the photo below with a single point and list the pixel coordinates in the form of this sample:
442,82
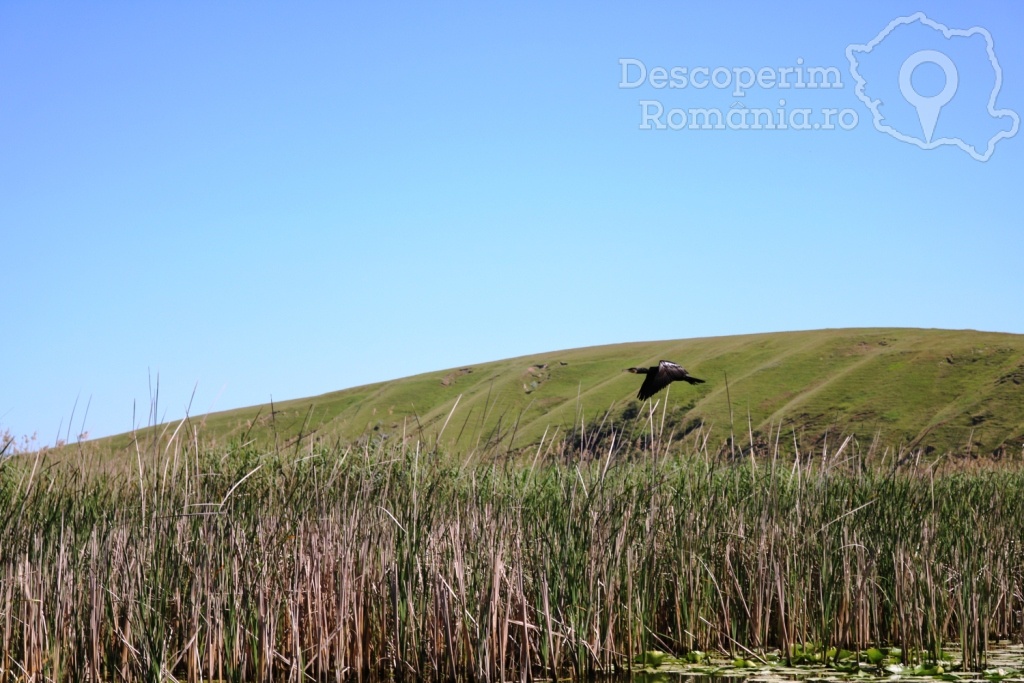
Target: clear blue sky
263,200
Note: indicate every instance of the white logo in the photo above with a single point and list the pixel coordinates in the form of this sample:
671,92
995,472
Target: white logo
962,112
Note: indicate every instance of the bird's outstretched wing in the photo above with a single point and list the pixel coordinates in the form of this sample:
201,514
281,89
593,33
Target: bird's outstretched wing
652,385
675,373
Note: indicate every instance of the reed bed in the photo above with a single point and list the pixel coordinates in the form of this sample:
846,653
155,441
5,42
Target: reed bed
398,561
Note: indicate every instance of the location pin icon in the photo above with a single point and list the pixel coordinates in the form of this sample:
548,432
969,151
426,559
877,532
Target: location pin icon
928,107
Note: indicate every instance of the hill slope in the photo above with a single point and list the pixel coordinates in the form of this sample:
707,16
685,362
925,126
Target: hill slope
935,389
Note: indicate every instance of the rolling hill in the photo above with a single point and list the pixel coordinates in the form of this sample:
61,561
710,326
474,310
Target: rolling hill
936,390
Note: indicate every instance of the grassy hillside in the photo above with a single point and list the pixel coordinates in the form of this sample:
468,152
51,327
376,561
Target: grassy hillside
939,390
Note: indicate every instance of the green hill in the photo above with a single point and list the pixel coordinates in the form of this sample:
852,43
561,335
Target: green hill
937,390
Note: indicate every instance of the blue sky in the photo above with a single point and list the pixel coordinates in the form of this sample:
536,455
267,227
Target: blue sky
276,200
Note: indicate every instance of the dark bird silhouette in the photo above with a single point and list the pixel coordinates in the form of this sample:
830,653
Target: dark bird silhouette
660,376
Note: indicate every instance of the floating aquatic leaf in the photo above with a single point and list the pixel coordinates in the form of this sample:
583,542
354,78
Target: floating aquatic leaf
928,670
651,658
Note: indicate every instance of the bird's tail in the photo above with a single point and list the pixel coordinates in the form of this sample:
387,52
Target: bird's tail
693,380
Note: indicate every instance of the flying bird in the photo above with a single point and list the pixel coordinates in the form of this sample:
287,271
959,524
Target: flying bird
660,376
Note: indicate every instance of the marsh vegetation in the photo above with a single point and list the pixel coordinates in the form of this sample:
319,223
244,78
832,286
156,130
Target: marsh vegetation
397,559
